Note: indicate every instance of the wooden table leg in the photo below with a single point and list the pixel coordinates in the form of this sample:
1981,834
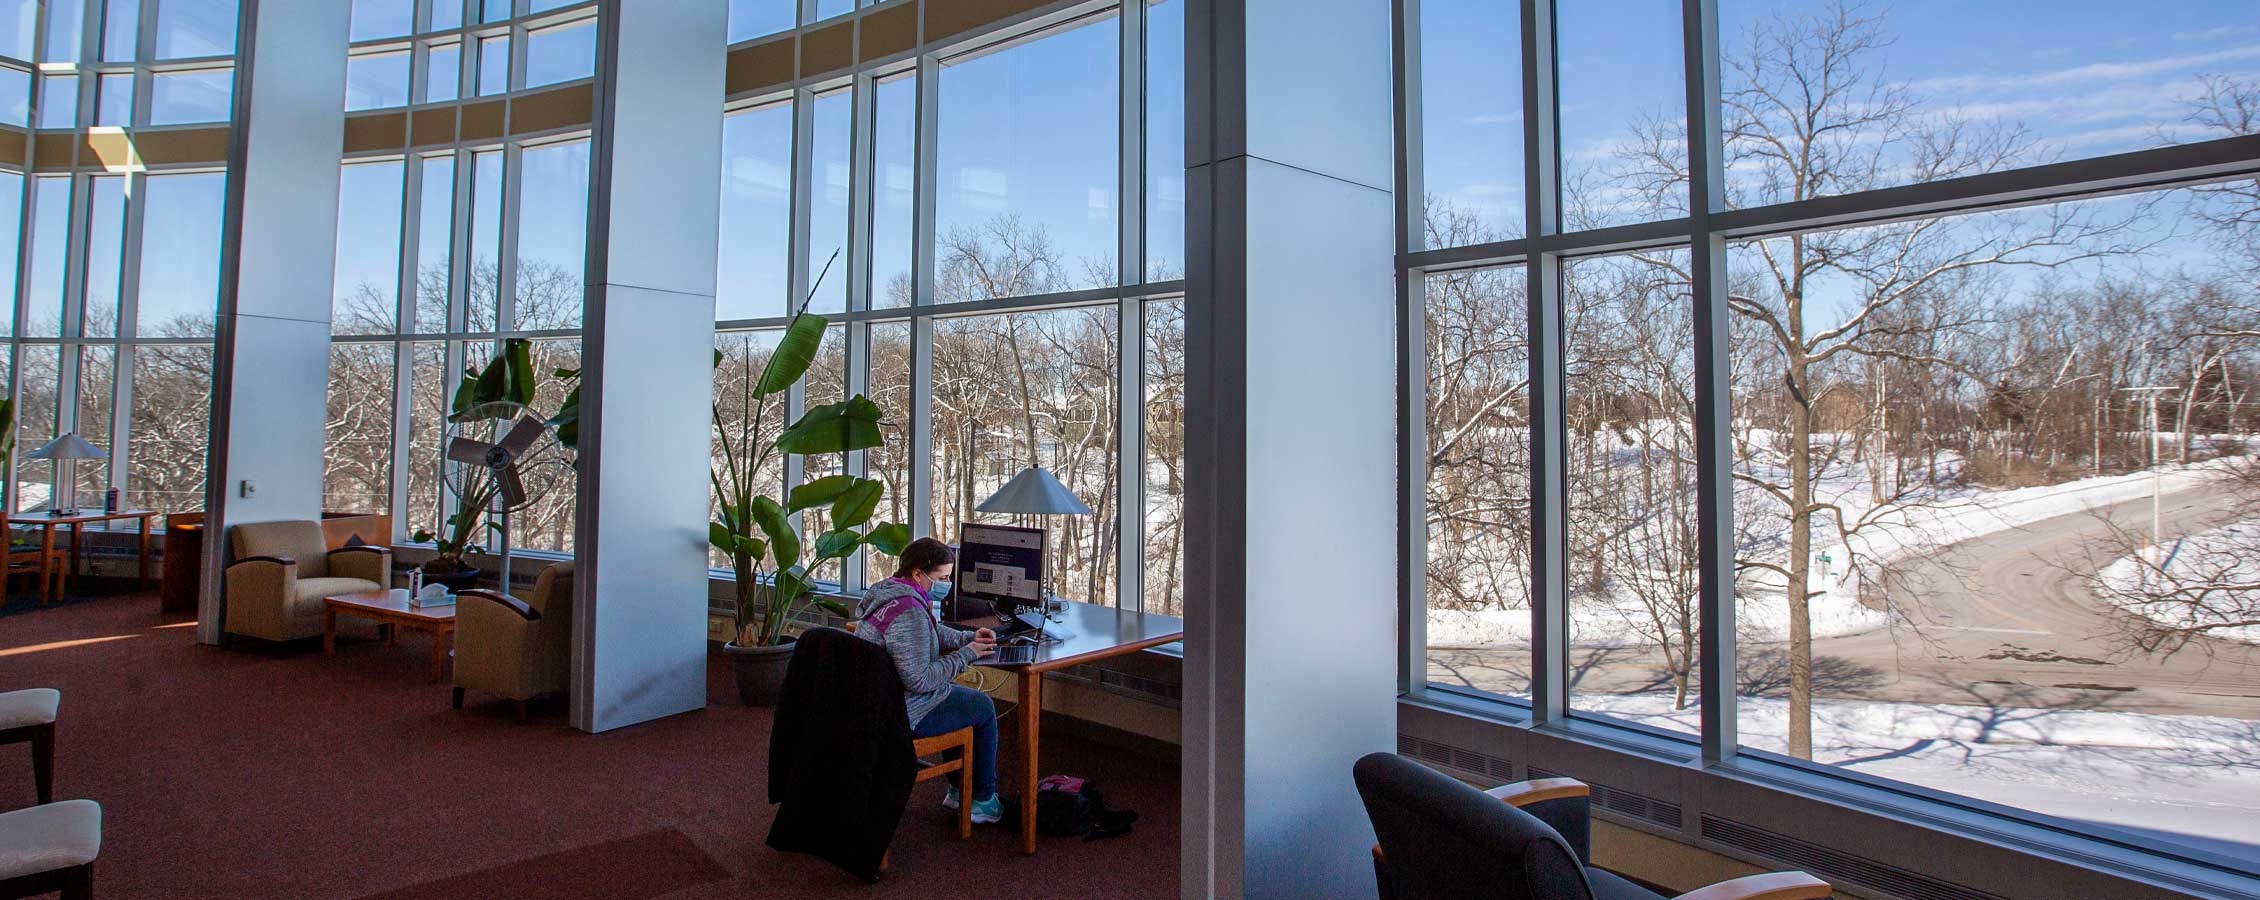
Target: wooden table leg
329,631
50,580
442,641
141,569
76,531
1031,712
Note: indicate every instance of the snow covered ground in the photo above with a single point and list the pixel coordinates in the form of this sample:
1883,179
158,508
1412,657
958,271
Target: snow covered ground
1950,516
2191,778
2221,556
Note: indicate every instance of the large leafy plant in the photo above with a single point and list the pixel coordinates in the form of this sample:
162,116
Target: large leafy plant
508,378
757,531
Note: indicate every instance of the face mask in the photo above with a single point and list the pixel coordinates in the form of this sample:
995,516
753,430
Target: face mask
940,590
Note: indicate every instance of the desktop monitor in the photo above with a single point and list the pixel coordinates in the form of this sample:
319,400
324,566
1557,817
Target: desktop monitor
1000,569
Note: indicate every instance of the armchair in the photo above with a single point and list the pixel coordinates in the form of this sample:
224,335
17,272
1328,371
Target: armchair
1443,840
516,648
282,570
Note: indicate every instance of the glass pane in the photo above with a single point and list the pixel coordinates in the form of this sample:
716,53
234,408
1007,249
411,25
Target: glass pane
368,249
11,233
1623,112
494,10
1165,457
427,413
1055,408
447,14
895,205
172,416
1994,502
443,72
482,298
383,18
357,454
830,155
113,100
105,255
187,28
121,26
183,97
58,101
826,383
744,353
546,5
15,97
1478,480
1029,144
1165,140
63,23
546,521
434,244
757,154
553,206
1471,121
494,65
1920,92
37,407
889,463
826,9
1631,464
97,399
561,54
372,82
50,248
19,23
754,18
179,292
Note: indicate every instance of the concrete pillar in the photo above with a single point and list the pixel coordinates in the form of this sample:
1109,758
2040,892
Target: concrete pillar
1290,442
277,254
647,375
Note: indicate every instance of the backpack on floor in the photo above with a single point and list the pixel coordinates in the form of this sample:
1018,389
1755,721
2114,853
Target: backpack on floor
1067,806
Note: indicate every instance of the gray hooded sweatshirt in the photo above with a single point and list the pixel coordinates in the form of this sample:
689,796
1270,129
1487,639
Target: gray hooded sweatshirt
928,654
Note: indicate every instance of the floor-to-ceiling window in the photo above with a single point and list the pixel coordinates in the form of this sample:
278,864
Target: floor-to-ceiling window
112,329
1920,423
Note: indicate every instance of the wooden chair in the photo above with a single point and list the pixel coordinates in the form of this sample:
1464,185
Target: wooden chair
28,716
1525,841
50,848
37,557
960,740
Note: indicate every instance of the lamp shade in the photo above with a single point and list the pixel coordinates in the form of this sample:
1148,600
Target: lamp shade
1034,492
69,446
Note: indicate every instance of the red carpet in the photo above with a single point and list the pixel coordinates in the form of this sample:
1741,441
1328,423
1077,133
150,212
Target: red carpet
266,773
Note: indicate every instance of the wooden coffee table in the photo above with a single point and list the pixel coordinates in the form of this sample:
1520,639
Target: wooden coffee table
392,614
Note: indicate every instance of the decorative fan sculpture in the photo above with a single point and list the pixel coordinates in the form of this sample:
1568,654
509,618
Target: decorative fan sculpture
503,456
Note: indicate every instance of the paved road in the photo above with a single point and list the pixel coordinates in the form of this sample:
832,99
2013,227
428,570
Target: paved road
2002,620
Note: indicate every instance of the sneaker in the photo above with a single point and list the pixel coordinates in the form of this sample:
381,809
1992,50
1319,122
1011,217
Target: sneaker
990,811
949,800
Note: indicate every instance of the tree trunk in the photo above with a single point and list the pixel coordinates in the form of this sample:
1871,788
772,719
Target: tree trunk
1800,558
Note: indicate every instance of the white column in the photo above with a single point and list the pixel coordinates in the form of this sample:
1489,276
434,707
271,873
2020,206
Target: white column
1290,432
278,252
647,382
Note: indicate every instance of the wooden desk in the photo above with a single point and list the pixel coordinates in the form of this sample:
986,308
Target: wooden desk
391,614
46,522
1096,633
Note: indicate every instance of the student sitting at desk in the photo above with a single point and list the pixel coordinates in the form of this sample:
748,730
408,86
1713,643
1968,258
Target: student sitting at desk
898,614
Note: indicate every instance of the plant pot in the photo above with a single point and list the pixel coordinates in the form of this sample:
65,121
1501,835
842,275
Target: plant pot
760,671
456,580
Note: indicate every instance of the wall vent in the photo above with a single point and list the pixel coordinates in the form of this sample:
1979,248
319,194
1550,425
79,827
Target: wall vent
1460,758
1626,803
1835,864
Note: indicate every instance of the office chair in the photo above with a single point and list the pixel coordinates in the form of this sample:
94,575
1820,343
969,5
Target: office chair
1443,840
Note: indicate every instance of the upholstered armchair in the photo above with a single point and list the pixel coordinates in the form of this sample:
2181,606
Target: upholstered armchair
282,570
1444,840
519,649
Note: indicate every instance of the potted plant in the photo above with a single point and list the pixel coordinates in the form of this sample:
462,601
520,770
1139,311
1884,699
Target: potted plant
757,532
508,378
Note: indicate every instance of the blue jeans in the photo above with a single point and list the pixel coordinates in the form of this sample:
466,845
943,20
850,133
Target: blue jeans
962,708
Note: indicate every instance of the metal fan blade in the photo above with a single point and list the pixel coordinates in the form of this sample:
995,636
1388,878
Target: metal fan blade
522,436
513,490
465,450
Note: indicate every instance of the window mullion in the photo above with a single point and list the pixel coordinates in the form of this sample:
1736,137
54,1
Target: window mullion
1130,333
1549,526
1412,364
1714,455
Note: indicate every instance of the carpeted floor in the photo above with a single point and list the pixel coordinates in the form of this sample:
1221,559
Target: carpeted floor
283,773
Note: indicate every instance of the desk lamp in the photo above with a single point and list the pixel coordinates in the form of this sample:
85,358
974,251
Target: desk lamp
1034,492
70,448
